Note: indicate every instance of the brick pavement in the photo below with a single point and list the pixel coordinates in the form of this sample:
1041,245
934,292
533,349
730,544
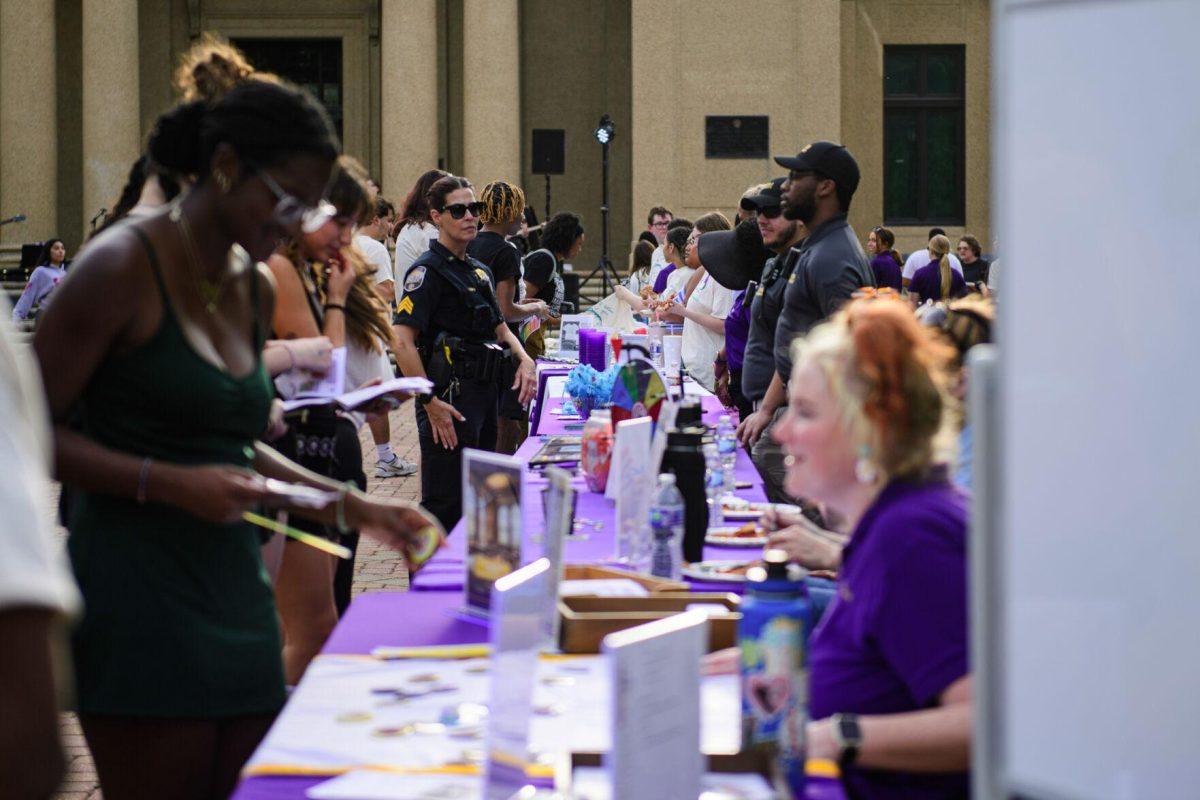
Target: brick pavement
376,568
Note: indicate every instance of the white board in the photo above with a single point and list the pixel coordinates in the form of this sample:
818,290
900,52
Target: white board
1096,659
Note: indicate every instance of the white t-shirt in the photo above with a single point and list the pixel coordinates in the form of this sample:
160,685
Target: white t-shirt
700,345
32,570
638,280
920,258
658,262
362,366
411,244
677,281
377,256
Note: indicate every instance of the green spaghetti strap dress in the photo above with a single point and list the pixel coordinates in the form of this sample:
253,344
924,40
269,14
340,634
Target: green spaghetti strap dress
179,614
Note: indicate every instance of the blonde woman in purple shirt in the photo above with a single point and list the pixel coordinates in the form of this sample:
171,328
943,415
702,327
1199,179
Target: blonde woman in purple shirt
866,432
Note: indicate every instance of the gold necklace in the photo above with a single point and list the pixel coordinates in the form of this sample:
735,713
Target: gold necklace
209,292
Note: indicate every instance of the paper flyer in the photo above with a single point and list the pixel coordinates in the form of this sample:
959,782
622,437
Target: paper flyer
492,512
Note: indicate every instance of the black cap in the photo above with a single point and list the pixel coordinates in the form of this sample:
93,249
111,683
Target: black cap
831,160
770,196
734,258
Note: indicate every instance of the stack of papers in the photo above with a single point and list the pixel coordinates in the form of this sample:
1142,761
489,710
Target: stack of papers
359,397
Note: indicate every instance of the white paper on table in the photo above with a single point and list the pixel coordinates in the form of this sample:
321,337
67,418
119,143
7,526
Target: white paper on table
308,735
372,785
603,587
518,610
592,783
636,482
656,708
297,384
560,519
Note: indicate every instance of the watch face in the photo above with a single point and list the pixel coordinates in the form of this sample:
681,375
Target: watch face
848,730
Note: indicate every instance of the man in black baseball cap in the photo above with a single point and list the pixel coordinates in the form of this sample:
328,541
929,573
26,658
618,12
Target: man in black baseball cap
826,268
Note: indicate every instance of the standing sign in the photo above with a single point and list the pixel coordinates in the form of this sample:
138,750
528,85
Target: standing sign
635,481
560,519
492,511
518,602
656,708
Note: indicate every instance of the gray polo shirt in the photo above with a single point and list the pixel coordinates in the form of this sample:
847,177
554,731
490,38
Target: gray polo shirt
829,266
758,364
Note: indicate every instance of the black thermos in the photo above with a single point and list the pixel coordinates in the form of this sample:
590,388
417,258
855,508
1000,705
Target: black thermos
685,458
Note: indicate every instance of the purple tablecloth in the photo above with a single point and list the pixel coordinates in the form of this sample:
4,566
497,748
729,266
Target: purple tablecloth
426,615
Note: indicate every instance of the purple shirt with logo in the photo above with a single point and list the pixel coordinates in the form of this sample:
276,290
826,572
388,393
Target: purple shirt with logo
660,283
895,636
737,330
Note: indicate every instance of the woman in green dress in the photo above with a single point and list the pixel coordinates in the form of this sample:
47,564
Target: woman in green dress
153,350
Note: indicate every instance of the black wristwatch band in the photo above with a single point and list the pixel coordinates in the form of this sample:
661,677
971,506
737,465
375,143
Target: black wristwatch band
848,735
425,399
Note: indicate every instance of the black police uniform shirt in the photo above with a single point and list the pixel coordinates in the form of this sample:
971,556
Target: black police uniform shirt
830,266
758,363
542,270
445,293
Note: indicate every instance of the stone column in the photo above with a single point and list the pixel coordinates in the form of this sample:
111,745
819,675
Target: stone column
408,39
111,121
491,91
28,120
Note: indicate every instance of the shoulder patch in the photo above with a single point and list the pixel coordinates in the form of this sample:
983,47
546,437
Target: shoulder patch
405,306
414,278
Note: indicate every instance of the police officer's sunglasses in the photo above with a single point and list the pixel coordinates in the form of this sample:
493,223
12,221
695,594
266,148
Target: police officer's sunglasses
459,210
291,211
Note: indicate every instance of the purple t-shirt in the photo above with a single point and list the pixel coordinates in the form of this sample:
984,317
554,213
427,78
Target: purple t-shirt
895,636
887,271
660,283
927,283
737,330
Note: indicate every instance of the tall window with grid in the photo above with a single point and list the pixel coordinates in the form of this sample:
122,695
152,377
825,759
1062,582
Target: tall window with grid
924,146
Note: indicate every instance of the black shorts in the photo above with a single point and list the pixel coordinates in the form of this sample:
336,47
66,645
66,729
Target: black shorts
328,445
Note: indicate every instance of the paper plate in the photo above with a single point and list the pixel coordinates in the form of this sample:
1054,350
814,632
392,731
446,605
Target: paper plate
716,571
723,536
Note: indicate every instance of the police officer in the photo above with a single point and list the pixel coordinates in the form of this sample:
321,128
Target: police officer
449,328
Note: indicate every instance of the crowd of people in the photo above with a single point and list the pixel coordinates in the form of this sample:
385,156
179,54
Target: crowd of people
246,253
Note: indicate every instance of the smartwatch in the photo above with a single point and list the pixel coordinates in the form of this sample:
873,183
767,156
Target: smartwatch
425,399
848,736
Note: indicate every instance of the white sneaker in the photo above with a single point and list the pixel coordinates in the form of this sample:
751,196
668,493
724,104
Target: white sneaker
396,468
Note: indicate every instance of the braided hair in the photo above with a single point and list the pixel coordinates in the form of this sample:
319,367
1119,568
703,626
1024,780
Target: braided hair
502,203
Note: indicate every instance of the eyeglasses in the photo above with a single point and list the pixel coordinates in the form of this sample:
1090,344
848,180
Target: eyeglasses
291,211
770,212
664,223
459,210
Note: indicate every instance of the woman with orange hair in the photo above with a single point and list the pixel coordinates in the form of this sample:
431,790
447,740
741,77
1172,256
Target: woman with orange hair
866,435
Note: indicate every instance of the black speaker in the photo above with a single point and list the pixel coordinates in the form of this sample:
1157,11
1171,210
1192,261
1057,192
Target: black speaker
549,151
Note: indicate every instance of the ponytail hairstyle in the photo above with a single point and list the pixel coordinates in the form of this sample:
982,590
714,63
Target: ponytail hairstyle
677,237
265,123
415,210
503,203
210,68
889,376
442,188
368,326
939,248
887,240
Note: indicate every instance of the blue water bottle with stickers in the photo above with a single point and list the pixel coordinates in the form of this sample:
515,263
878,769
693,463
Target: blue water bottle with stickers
771,638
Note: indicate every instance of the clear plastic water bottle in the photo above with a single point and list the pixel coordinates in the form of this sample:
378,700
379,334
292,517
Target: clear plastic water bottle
656,353
727,445
666,530
714,484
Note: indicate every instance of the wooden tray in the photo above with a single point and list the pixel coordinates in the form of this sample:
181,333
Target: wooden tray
591,572
587,620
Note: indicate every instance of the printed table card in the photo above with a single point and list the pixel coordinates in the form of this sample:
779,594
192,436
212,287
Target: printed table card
655,752
635,482
491,509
